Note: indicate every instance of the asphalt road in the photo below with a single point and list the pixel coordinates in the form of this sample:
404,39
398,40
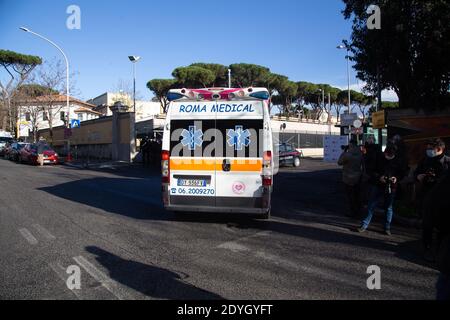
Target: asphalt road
110,223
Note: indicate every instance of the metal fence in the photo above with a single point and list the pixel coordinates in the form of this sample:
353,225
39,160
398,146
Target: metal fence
300,139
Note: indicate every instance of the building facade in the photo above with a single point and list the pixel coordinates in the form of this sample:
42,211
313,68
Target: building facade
51,111
144,109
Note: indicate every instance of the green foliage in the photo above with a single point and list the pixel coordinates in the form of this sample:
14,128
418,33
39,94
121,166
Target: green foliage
35,90
275,82
355,97
220,73
160,87
13,58
409,53
389,105
249,75
291,97
194,76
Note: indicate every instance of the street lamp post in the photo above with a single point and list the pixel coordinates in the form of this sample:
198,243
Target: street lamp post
347,57
229,78
67,80
134,59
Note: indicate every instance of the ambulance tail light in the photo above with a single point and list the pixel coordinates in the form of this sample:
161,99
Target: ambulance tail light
165,169
267,172
267,181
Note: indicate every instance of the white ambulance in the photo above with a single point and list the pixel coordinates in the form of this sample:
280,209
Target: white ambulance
217,151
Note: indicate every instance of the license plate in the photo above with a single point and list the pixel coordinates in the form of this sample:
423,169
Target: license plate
191,183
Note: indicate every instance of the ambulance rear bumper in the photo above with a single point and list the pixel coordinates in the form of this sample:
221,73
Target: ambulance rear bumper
254,205
184,208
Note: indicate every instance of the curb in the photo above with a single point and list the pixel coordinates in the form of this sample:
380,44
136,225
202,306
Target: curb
97,165
412,223
402,221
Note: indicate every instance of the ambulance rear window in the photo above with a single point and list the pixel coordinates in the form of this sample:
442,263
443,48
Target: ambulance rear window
217,138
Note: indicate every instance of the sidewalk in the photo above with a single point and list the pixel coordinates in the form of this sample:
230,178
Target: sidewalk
98,164
399,220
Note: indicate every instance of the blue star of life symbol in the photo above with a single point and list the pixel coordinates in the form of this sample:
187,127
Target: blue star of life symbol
238,137
192,138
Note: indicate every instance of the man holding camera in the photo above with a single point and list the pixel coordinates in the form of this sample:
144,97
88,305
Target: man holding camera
384,181
428,173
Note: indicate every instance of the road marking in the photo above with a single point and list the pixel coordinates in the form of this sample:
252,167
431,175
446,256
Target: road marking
237,247
61,272
233,246
28,236
112,286
44,232
313,270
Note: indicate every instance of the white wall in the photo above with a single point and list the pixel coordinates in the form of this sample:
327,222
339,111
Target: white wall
147,109
43,124
302,126
144,109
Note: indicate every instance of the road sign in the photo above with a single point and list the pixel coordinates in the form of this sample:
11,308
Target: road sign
357,123
348,119
74,123
378,120
23,130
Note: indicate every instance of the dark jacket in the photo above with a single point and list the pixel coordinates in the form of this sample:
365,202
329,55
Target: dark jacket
438,204
437,165
389,169
372,157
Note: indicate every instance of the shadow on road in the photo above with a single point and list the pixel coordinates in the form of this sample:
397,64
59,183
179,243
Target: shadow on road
140,199
320,190
134,198
151,281
129,171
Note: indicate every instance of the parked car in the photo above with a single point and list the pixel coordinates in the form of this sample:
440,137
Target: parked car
288,155
14,150
29,154
3,142
7,149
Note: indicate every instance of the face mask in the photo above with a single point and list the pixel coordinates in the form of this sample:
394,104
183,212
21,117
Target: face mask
431,153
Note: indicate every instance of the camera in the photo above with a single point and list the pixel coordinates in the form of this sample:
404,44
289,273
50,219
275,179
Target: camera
344,148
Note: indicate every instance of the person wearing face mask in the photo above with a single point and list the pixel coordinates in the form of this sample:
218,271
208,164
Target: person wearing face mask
428,173
384,182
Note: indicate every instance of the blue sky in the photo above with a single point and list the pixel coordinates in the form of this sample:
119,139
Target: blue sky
296,38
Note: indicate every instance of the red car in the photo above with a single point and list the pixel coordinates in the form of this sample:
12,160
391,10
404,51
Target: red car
29,154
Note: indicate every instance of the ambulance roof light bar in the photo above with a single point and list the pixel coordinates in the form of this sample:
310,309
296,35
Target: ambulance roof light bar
218,94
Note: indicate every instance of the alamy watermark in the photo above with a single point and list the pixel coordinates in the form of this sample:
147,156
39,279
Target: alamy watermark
74,280
73,21
374,20
374,280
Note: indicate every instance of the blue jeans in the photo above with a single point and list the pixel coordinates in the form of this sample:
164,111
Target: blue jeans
376,193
